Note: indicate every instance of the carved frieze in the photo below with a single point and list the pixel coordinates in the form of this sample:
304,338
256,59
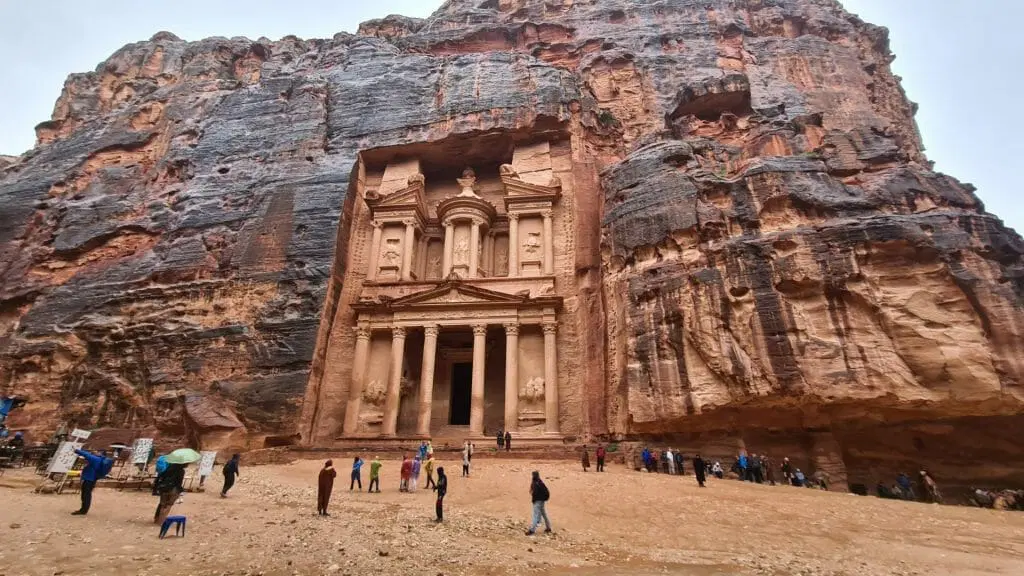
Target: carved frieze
374,393
532,243
533,390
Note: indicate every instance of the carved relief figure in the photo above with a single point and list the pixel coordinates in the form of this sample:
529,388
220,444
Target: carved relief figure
461,251
501,259
533,391
375,393
391,254
434,267
532,243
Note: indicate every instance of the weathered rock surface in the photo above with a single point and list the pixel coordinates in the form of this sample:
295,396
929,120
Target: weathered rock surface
773,262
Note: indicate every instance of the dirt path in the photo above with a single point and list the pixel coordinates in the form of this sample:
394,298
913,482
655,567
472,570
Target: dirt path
612,523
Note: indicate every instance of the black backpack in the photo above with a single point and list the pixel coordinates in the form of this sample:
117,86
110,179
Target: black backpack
540,492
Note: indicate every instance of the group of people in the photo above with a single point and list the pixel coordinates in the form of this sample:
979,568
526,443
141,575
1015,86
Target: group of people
504,439
600,453
674,463
926,490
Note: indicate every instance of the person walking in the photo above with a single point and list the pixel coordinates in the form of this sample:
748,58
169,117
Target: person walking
430,449
324,486
769,470
406,473
699,470
787,471
169,487
357,465
501,439
472,449
465,461
539,495
585,459
97,466
414,480
230,473
441,488
508,441
429,467
600,453
374,475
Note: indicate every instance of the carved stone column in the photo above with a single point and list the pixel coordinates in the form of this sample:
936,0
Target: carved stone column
355,389
550,379
511,376
421,258
476,407
390,424
449,245
549,245
371,273
474,248
513,245
408,247
489,253
427,379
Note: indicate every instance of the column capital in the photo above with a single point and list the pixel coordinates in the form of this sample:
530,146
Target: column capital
398,332
448,222
546,213
409,221
511,329
513,216
549,327
479,329
362,332
431,329
377,224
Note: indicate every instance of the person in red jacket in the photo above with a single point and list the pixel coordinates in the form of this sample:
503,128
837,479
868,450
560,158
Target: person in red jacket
600,453
403,485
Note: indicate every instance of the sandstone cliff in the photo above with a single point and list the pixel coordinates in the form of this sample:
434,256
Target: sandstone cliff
764,250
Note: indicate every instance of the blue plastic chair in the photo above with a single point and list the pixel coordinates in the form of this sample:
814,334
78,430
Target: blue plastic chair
179,526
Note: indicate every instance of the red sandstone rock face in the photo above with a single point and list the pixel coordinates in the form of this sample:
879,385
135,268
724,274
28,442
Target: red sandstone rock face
767,256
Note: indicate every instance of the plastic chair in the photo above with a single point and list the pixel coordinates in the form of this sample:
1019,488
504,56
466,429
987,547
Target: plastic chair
179,526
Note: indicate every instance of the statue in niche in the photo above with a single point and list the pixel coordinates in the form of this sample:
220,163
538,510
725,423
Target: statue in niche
461,251
508,170
533,391
532,242
501,261
392,253
375,393
434,267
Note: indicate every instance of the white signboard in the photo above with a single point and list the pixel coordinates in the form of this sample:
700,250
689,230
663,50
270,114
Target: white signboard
64,459
80,434
206,463
140,450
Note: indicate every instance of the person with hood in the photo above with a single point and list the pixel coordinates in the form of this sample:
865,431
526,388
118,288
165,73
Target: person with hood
441,488
508,441
414,480
539,496
97,466
600,453
699,470
169,487
585,459
405,474
357,476
374,475
324,486
230,472
428,467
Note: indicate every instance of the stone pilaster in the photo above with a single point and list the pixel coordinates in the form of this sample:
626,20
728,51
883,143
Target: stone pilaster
355,390
427,379
474,248
550,379
391,401
476,408
549,245
513,244
371,272
449,246
408,247
511,376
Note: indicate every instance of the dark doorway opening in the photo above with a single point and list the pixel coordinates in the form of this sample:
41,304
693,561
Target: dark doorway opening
462,390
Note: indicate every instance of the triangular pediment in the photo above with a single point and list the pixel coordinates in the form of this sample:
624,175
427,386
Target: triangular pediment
515,187
455,292
409,196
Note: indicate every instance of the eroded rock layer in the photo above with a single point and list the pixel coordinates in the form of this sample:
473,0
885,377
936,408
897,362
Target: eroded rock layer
762,253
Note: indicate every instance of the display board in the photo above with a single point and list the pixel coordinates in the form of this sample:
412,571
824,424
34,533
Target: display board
64,459
140,450
80,434
206,463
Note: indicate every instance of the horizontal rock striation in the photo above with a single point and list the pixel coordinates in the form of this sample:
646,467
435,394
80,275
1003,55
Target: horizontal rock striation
768,258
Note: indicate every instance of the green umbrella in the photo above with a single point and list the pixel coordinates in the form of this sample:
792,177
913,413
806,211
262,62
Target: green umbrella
183,456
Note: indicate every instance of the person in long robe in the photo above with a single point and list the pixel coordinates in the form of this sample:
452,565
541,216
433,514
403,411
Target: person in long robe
585,459
699,470
415,478
405,473
230,472
442,489
325,484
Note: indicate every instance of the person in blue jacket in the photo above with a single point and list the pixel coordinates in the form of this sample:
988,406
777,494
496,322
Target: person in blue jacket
97,466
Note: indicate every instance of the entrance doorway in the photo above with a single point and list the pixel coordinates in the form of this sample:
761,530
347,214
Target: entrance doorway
462,390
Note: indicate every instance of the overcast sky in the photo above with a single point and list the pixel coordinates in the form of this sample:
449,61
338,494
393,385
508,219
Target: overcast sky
962,69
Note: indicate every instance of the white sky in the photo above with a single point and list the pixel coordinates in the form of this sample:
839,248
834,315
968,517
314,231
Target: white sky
957,62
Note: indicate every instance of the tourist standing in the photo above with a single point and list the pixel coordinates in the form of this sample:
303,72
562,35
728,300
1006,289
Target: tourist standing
169,487
465,461
755,469
324,486
585,460
97,466
646,455
508,441
230,473
743,464
906,487
414,480
357,476
429,467
430,449
406,473
787,471
670,462
679,462
423,451
769,470
600,457
716,469
441,488
539,495
374,475
501,439
930,489
699,470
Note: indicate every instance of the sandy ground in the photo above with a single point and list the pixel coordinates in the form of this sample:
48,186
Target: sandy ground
618,522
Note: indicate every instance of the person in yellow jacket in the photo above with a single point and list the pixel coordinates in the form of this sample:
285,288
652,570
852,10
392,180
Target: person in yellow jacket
429,467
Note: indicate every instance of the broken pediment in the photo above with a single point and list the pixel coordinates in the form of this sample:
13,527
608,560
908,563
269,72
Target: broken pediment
400,202
457,292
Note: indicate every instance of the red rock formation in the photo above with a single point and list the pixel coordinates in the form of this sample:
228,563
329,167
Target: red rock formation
763,254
